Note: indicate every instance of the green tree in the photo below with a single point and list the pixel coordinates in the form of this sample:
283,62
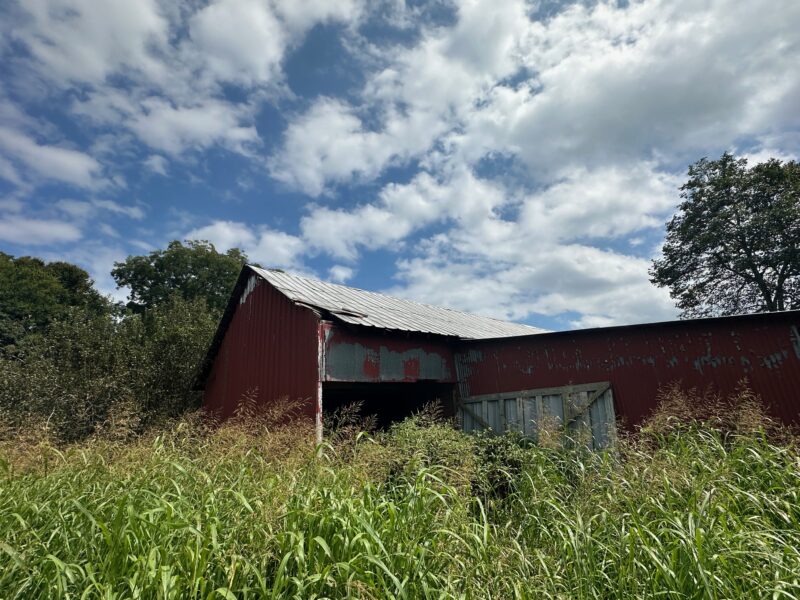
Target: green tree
195,271
733,245
34,293
88,370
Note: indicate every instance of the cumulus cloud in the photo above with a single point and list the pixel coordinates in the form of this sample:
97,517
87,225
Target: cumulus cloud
25,231
594,111
330,144
174,130
518,159
160,70
400,210
593,85
617,82
242,39
340,273
530,252
263,245
51,162
600,285
86,41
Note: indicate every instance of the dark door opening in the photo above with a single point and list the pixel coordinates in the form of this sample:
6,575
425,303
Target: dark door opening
388,402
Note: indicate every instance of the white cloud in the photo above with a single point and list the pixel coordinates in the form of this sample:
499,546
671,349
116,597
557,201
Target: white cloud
400,210
299,17
85,209
157,164
174,129
159,70
224,235
539,261
11,205
329,144
595,111
108,230
417,97
277,249
132,212
86,41
595,85
9,173
77,209
340,273
598,284
242,40
651,79
36,232
263,245
51,162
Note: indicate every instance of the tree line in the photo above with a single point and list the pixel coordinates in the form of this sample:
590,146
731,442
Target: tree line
73,361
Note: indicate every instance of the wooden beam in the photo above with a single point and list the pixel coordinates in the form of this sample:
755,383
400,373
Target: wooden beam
591,400
475,416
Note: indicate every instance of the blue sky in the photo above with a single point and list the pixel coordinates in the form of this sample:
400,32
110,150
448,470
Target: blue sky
511,158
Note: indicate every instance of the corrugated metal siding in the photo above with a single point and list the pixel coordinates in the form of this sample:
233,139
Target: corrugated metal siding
270,344
364,355
360,307
637,360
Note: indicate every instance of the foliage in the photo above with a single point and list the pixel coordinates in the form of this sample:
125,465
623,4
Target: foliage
255,510
72,363
90,368
195,271
33,293
734,245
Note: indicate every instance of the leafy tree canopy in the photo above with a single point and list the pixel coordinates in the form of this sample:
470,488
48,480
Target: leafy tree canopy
194,270
34,293
732,247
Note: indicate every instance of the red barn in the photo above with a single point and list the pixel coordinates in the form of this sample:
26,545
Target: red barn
325,345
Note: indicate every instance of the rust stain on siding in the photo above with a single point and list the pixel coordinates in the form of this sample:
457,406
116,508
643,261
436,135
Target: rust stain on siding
357,362
764,349
366,356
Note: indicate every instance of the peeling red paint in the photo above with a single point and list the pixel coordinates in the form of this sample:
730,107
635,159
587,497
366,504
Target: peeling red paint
411,368
371,368
764,349
367,355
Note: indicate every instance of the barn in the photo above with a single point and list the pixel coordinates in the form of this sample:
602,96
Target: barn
324,345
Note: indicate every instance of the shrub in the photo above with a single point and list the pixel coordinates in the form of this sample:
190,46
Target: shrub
91,370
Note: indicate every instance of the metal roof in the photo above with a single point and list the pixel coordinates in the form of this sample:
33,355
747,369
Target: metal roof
371,309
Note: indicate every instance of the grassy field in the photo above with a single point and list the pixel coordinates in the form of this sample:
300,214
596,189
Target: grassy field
422,511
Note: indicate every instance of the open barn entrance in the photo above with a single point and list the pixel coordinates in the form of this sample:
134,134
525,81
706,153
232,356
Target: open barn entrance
388,402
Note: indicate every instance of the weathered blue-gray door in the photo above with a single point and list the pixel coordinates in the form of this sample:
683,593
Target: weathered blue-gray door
582,413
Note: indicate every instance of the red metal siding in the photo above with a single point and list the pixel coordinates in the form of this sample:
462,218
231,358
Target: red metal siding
765,349
270,344
369,355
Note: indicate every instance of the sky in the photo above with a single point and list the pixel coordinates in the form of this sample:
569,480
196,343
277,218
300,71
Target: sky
510,158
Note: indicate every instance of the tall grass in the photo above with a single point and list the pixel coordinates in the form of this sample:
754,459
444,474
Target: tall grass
689,509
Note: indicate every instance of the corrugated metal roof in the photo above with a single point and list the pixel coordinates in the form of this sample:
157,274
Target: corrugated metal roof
371,309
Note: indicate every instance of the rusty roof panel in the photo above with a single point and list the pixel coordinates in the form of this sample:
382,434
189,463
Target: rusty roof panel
372,309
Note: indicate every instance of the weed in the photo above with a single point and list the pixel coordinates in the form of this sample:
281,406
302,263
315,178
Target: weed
705,506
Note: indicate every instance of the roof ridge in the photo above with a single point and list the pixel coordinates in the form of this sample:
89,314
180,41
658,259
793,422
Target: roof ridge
384,295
